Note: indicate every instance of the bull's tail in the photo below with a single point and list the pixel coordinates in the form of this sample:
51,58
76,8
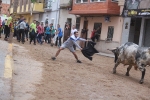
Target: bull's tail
115,51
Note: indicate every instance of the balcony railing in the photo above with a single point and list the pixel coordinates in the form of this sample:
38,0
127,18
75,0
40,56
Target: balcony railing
47,5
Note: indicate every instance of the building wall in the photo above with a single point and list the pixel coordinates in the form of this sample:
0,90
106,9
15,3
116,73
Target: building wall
53,14
106,7
64,14
5,8
102,45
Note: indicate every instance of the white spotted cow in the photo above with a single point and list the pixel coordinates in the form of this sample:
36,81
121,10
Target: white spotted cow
133,55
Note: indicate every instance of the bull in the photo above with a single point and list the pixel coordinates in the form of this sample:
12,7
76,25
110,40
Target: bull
132,55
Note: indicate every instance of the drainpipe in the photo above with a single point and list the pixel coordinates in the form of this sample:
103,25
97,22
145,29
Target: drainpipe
58,13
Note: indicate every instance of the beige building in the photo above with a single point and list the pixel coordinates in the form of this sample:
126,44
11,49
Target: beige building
104,14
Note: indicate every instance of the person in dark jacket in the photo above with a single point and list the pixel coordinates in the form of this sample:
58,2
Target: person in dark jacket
27,31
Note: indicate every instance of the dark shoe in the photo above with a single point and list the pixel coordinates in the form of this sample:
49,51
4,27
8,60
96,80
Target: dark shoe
53,58
34,43
78,61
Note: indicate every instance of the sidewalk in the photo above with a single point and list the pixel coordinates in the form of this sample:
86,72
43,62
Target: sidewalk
5,70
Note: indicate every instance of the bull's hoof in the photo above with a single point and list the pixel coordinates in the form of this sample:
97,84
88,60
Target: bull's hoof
114,72
141,82
127,74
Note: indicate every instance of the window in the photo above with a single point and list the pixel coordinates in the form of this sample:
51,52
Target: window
97,25
97,0
78,23
110,33
115,1
47,3
81,1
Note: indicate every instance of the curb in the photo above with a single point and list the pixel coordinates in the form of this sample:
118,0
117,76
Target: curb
8,63
8,71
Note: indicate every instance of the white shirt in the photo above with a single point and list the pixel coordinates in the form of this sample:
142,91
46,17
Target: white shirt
73,30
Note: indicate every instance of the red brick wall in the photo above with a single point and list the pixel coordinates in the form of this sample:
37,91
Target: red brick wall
5,8
107,7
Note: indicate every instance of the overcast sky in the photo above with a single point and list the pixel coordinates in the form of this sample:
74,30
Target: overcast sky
6,1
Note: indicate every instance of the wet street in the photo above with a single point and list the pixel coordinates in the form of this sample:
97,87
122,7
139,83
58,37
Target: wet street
37,77
5,78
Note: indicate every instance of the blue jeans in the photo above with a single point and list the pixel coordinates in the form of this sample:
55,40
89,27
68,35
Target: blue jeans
48,38
39,38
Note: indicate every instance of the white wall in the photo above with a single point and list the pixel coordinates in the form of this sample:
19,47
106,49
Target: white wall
125,32
64,14
53,14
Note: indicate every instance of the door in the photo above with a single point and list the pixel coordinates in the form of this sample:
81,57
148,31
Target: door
137,30
147,34
69,21
85,25
85,34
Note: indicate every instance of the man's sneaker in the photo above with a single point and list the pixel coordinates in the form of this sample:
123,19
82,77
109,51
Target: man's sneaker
78,61
53,58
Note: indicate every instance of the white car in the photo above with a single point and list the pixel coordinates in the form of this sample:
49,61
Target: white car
144,13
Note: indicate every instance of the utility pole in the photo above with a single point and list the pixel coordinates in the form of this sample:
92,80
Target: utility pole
15,5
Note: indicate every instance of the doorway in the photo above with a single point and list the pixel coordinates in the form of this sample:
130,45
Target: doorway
84,33
69,21
135,27
147,33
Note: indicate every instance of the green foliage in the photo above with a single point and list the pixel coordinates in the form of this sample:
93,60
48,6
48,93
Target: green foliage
33,1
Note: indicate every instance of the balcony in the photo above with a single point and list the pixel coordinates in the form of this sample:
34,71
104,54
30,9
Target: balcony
104,7
65,4
37,8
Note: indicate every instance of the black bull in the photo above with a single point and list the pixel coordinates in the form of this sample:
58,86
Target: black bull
133,55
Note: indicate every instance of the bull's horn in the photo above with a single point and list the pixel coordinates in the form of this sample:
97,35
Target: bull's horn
111,49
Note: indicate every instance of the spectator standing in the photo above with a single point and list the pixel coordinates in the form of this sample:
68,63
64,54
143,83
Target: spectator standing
52,33
3,24
39,33
33,32
42,29
22,26
60,34
46,25
47,32
27,31
7,27
66,32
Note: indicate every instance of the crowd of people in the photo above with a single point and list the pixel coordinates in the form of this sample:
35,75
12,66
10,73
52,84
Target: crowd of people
36,32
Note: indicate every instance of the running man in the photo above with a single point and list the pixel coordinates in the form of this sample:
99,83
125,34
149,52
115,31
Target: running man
69,44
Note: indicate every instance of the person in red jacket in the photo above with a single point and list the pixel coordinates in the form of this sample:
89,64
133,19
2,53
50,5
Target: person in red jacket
93,35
